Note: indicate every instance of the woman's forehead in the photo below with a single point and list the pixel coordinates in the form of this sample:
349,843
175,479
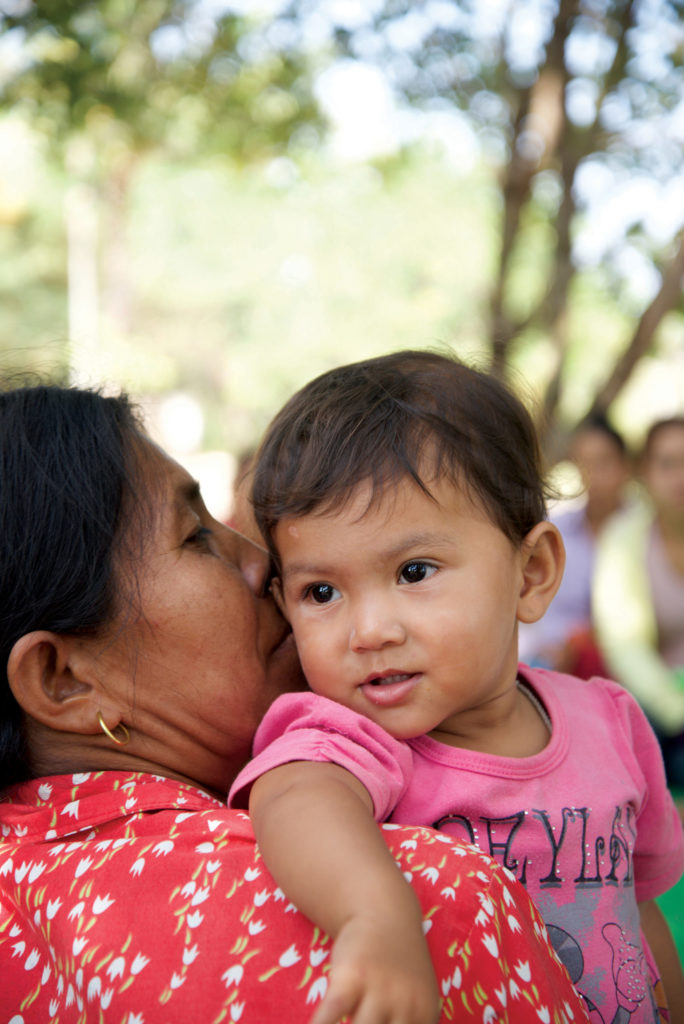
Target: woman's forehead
167,492
666,443
158,468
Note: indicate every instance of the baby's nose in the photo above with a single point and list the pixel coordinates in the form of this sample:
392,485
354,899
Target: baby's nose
374,627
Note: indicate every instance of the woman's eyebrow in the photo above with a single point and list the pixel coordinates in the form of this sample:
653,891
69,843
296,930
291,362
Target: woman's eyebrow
192,491
189,491
187,495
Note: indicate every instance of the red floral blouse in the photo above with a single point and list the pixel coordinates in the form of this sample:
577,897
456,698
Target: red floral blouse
133,899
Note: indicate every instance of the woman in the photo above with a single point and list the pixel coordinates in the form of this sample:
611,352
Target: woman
563,639
639,593
141,655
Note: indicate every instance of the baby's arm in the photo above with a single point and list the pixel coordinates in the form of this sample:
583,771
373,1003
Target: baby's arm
314,824
662,945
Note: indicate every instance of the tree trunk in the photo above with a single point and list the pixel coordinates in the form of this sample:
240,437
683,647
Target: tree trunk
117,290
537,131
667,298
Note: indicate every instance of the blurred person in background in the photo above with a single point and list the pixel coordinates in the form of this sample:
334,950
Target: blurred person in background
564,638
639,593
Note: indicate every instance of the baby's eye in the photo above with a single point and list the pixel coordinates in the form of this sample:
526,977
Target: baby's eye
415,572
321,593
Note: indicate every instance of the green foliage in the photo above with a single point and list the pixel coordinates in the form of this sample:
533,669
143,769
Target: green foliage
247,283
235,260
257,282
571,97
161,73
33,314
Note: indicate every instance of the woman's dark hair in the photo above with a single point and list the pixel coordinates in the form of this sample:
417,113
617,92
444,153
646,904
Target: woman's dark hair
67,466
599,423
414,413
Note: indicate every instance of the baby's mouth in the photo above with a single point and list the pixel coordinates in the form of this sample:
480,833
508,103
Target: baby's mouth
397,677
390,688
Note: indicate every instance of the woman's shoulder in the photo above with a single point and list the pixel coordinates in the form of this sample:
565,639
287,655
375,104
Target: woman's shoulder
63,805
217,931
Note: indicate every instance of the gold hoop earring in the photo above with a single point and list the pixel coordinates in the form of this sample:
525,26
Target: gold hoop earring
108,732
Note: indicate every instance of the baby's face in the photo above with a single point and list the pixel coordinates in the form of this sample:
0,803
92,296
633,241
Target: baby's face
404,611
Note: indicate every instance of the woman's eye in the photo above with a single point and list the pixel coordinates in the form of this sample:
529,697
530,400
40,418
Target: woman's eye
200,538
416,572
321,593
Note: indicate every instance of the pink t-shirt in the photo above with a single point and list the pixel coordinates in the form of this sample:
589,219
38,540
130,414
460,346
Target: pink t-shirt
588,824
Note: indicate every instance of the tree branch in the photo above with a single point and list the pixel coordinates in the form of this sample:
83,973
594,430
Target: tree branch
666,299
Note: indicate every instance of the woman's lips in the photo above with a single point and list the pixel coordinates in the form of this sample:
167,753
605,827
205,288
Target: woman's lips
389,688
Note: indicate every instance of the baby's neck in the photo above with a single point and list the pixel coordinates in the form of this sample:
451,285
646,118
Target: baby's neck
522,729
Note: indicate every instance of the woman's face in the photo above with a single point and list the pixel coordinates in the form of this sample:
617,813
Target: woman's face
664,471
195,672
604,468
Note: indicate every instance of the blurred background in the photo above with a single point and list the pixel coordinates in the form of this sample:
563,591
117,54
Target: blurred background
209,202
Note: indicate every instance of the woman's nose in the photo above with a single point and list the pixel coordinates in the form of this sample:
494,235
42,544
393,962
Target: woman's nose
253,562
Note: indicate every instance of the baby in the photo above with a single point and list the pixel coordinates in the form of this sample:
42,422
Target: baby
402,501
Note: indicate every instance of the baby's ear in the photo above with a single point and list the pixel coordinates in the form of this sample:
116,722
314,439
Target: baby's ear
277,591
543,561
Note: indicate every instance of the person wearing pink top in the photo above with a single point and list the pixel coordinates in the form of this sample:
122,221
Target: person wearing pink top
402,501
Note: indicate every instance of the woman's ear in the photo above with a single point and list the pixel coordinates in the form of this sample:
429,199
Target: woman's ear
49,680
543,561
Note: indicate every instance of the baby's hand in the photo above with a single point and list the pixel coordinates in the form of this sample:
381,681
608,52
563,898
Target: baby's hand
380,974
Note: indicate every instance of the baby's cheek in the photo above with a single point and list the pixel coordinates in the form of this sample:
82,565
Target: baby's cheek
316,667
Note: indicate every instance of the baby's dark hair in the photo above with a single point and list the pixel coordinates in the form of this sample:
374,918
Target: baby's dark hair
419,414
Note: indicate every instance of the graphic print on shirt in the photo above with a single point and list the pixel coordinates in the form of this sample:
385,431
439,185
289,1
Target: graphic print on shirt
596,861
633,981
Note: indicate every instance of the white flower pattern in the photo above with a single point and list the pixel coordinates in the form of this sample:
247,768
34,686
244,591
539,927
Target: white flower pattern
87,854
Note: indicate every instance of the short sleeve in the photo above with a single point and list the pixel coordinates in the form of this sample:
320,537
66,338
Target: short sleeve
659,848
306,727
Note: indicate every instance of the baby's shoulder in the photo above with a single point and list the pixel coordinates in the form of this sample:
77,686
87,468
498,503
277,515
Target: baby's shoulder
583,700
